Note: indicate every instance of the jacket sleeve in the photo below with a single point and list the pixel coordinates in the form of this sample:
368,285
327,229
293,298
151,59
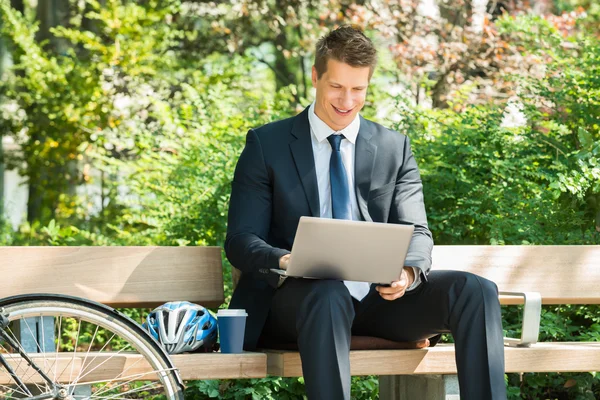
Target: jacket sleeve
408,207
249,216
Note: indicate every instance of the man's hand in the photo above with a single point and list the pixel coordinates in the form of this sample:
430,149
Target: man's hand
397,288
284,261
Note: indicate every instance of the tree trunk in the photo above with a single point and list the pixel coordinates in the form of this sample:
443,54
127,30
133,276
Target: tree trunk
43,194
91,24
18,5
460,16
3,62
52,13
283,74
34,183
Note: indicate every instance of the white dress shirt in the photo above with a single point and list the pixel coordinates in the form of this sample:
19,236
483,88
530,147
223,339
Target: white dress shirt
320,131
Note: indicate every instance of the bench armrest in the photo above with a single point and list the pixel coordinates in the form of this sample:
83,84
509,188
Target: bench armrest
532,312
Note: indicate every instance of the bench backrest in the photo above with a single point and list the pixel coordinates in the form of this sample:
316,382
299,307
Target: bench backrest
562,274
118,276
148,276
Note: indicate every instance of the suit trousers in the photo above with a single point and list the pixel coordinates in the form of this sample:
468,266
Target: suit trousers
320,316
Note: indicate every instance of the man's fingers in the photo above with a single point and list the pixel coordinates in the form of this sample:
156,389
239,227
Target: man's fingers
394,287
284,261
392,296
387,289
393,292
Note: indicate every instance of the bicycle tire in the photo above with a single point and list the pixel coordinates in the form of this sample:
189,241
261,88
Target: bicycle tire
89,313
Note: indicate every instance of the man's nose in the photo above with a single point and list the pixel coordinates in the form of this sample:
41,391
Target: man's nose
346,100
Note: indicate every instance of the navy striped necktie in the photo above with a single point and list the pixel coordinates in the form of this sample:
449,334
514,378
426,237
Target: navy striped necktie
340,193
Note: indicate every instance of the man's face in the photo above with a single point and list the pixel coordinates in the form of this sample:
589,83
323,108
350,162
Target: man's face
341,93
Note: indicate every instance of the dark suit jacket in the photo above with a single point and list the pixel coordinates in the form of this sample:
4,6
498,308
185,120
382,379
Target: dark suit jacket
275,183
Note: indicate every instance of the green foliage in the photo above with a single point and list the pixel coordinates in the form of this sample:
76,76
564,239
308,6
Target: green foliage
255,389
563,104
487,184
140,149
272,388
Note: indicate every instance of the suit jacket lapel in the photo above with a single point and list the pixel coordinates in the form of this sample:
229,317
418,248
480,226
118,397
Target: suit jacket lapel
364,161
301,147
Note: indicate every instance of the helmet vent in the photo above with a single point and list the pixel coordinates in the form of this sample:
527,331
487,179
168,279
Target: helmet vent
180,318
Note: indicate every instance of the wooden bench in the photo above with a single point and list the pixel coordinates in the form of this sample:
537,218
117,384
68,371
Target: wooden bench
561,275
148,276
134,277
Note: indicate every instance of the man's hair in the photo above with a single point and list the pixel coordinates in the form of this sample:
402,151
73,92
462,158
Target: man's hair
346,44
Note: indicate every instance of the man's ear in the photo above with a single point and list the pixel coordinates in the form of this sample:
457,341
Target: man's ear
314,76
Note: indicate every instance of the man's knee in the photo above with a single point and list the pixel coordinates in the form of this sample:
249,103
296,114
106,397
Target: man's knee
478,288
328,296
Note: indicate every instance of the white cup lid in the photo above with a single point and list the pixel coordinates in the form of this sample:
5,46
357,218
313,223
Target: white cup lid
232,313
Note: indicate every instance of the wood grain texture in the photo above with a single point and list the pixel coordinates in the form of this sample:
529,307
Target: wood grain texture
102,367
562,274
118,276
542,357
145,275
221,366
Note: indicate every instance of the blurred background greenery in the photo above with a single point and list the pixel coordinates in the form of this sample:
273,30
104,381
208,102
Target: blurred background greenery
124,119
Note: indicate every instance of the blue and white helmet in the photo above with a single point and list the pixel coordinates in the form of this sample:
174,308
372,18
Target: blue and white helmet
182,326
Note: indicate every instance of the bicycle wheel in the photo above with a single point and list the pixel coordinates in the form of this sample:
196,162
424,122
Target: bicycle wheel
95,353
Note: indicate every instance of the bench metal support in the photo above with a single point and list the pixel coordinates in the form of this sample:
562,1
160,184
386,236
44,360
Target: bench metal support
422,387
532,314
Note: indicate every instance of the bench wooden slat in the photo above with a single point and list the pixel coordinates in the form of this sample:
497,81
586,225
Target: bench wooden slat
221,366
132,276
147,276
541,357
562,274
106,366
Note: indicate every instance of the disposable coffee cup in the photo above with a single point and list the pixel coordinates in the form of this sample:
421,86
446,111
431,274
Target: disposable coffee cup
232,324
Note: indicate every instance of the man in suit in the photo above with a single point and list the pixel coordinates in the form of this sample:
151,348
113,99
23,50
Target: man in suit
328,162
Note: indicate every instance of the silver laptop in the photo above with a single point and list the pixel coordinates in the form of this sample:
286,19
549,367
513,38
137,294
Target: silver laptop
327,248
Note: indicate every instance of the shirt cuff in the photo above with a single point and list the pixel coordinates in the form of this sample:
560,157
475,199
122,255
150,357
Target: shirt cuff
417,282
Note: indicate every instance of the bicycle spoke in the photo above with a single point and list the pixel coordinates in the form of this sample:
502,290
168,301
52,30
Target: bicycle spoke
116,396
13,390
58,339
105,361
122,372
75,348
33,373
130,378
13,353
11,357
44,349
100,351
103,347
84,366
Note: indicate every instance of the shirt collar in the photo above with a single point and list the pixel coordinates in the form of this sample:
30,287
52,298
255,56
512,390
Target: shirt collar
321,130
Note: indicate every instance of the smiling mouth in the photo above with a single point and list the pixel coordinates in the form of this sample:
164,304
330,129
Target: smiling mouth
342,112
